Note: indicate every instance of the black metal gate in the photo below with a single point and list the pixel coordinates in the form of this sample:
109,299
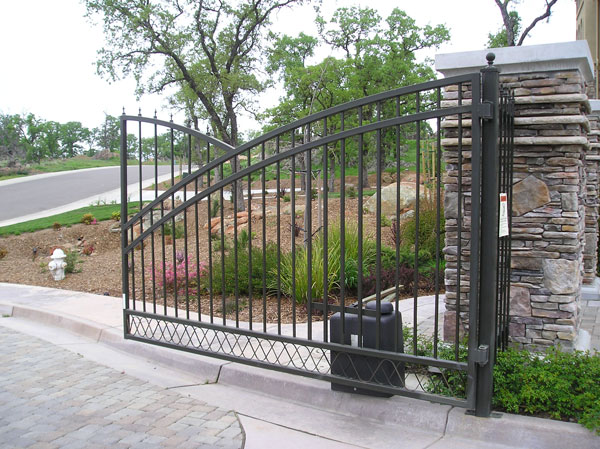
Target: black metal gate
258,255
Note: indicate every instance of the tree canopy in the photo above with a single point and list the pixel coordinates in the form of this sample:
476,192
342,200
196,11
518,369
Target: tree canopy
512,34
375,55
209,50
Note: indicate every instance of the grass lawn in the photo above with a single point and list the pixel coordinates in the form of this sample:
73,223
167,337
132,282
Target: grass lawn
101,213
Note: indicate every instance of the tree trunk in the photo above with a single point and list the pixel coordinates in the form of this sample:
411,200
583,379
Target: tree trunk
238,186
365,169
331,177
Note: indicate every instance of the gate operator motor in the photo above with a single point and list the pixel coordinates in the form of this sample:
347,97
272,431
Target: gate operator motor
368,369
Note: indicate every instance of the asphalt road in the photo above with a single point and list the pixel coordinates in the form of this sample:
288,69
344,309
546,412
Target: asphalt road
38,193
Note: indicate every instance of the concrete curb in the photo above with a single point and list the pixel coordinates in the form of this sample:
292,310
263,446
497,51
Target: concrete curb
448,422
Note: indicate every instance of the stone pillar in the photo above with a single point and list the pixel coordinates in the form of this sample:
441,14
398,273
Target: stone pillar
590,253
551,194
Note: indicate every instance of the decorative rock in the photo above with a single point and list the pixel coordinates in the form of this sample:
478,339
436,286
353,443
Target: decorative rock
450,326
408,195
451,205
561,276
569,201
520,302
529,194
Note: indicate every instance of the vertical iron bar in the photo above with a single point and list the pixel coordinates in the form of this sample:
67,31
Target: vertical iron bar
278,174
360,226
489,236
325,232
398,322
124,241
378,234
342,232
438,219
185,235
163,258
222,224
234,196
293,230
474,261
417,224
511,149
250,243
141,207
197,226
264,239
210,234
152,241
173,234
459,225
308,231
133,300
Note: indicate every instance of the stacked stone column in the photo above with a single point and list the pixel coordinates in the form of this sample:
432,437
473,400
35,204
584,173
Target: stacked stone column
554,190
592,158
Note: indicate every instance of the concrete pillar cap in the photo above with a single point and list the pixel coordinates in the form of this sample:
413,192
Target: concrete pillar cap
525,59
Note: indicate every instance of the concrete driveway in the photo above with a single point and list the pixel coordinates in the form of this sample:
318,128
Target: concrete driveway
37,196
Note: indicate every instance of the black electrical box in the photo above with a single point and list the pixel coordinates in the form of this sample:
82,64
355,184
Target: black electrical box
365,368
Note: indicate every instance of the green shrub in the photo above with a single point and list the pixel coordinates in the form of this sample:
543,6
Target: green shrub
559,384
317,269
427,230
562,385
334,254
179,230
385,222
116,216
72,260
242,270
87,219
214,208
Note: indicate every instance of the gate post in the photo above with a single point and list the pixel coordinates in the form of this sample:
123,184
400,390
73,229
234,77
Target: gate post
486,341
124,209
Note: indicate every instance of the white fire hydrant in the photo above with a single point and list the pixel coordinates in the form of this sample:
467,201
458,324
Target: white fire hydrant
58,264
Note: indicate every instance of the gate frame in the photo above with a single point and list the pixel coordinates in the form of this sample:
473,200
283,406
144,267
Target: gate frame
484,236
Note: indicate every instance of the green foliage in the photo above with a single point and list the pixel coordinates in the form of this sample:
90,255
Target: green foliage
102,213
116,216
378,55
73,261
560,384
334,256
385,222
87,218
214,208
500,38
317,271
448,382
427,232
179,230
246,276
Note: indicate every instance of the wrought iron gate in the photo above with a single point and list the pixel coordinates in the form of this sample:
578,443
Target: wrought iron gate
254,254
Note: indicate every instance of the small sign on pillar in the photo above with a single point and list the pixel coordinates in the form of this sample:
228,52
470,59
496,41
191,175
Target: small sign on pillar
503,216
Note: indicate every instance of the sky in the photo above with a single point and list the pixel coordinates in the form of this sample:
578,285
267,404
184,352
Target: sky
48,51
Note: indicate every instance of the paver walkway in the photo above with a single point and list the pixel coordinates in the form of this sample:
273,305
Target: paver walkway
50,397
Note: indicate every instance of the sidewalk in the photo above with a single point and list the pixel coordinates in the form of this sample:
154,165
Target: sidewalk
274,409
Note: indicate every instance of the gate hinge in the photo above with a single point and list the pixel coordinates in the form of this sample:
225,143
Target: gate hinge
486,111
481,355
